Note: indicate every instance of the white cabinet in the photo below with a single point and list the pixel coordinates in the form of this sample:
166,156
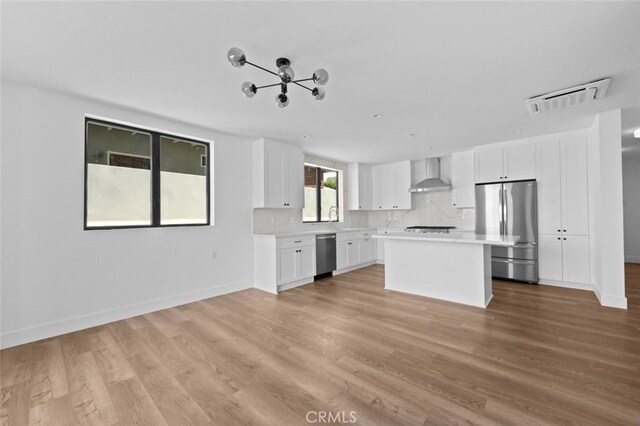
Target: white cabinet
506,164
520,162
366,249
277,175
550,257
563,210
295,264
563,204
286,265
359,187
489,166
575,191
575,259
462,180
283,263
391,183
353,249
564,258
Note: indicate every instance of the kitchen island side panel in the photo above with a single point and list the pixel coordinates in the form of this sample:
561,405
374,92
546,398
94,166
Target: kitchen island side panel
456,272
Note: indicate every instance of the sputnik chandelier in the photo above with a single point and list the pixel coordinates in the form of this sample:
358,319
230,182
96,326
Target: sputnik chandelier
237,58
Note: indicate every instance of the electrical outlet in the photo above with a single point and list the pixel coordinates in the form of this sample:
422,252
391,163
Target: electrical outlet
214,254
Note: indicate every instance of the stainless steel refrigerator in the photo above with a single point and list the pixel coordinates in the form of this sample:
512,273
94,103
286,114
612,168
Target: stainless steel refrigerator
510,209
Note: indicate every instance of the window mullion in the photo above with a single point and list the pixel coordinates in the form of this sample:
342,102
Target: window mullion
318,196
155,179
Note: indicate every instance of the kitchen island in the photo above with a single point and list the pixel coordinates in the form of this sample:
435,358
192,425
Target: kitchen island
455,267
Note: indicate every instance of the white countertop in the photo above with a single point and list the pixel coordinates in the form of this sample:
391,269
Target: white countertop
454,237
286,234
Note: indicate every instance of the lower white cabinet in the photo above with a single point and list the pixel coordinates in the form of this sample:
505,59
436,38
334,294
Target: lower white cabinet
564,258
353,249
282,263
295,264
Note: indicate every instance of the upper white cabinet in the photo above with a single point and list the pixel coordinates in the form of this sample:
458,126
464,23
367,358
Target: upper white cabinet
462,180
359,187
277,175
506,164
575,190
391,183
563,204
489,166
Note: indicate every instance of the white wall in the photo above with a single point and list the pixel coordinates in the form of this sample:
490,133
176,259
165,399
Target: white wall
606,211
631,194
58,278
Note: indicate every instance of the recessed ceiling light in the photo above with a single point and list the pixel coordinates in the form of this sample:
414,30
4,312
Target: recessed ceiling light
636,133
377,115
516,131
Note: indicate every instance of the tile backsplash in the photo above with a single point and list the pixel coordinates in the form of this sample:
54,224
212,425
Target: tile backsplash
431,209
268,221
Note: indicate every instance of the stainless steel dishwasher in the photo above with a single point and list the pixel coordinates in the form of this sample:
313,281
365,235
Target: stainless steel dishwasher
325,254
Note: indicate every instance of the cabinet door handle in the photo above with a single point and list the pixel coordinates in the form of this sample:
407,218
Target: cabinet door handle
564,238
298,241
559,230
564,230
559,238
348,244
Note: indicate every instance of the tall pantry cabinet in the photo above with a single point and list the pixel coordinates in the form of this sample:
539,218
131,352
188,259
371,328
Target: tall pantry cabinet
563,210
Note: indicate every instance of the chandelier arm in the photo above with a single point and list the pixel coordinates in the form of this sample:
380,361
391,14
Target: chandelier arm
259,67
302,85
268,85
303,79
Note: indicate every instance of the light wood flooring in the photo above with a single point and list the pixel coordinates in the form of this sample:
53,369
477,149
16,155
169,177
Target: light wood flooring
537,355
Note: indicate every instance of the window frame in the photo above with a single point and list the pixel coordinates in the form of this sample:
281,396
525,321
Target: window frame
318,169
155,174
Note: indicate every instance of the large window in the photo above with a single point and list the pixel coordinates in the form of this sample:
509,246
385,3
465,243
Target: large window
140,178
320,195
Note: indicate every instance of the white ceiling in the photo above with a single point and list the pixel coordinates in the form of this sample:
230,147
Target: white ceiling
455,74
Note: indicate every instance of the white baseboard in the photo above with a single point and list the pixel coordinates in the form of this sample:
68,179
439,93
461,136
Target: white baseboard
380,261
294,284
632,259
604,299
353,268
56,328
613,301
564,284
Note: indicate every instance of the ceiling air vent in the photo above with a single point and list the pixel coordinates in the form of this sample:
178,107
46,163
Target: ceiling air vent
568,97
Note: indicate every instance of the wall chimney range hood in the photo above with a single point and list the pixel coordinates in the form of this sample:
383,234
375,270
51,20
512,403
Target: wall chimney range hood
425,176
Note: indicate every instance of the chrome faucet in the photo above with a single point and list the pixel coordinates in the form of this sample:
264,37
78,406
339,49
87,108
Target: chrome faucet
333,211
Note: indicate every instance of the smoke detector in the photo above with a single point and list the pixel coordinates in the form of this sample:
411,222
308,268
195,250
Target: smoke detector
568,97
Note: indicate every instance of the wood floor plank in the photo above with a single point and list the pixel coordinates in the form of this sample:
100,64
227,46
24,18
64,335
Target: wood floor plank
176,406
133,404
536,355
49,379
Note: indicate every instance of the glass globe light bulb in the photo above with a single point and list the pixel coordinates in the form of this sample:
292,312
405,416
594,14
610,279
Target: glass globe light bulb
236,57
320,76
318,93
283,100
286,74
249,89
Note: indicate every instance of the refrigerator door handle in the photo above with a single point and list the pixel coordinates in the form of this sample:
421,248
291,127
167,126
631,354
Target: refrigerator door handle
501,203
505,223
